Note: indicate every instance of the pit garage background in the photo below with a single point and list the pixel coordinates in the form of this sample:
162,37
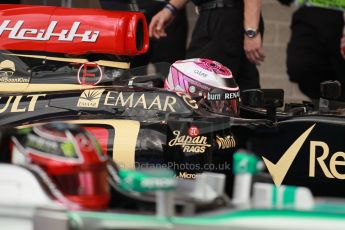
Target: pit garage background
277,33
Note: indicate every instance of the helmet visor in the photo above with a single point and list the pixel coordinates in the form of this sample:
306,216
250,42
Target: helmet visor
227,107
223,102
218,100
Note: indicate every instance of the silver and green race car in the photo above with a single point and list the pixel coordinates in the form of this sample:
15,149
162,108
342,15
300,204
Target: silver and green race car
155,199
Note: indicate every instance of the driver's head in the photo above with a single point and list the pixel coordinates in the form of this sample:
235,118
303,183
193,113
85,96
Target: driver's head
208,82
71,158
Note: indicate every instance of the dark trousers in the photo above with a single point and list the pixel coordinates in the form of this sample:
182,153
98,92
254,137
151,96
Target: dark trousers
219,35
313,53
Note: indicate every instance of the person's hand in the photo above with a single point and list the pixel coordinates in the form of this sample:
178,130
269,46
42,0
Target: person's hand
253,49
342,46
159,23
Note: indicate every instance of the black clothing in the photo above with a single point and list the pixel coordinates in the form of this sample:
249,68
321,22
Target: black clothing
167,49
286,2
211,4
313,53
10,2
123,5
219,35
200,2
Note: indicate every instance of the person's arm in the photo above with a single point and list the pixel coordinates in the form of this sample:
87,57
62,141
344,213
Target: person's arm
164,17
253,46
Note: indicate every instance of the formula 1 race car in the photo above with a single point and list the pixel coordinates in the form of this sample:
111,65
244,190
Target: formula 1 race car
139,124
62,182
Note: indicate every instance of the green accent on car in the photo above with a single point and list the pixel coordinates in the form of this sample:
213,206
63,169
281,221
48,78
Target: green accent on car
330,207
215,220
228,217
149,180
274,196
245,163
288,199
289,196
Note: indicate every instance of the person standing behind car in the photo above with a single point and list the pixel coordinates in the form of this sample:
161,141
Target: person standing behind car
169,49
342,45
313,50
173,46
342,42
228,31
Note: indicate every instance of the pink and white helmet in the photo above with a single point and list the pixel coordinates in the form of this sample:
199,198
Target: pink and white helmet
208,82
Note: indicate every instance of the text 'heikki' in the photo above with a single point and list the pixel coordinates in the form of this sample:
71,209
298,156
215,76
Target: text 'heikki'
18,32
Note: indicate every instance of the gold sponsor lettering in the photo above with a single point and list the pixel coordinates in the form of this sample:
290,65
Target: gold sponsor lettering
185,175
189,144
16,105
188,100
156,102
3,109
332,172
225,142
33,101
13,79
90,98
169,102
334,163
194,149
320,159
123,102
279,169
107,97
142,101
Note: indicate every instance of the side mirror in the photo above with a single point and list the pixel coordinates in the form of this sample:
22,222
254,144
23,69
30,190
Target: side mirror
263,98
147,180
330,90
270,99
253,98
